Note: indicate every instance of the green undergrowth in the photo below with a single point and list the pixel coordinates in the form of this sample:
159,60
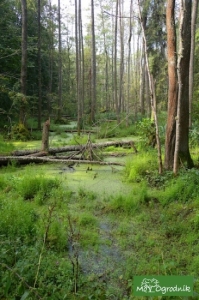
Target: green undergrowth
111,129
60,244
5,147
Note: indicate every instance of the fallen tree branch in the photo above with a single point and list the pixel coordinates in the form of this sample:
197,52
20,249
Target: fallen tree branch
4,160
76,148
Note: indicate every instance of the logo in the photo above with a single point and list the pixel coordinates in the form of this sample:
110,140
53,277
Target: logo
163,285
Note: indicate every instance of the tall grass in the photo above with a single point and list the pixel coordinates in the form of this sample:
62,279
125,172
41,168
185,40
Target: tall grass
5,147
140,165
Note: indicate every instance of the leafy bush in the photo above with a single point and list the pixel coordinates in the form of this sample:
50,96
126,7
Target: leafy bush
20,132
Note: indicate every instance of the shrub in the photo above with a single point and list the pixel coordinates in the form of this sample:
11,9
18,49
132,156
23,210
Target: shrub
20,132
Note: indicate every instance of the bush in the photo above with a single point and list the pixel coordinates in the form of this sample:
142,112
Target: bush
20,132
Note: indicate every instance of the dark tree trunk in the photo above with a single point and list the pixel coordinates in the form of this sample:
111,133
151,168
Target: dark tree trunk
59,112
173,85
39,64
93,72
23,62
182,153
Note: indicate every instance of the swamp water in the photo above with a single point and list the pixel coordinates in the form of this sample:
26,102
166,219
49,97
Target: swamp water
102,262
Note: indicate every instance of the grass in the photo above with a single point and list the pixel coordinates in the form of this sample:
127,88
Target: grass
123,232
5,147
85,245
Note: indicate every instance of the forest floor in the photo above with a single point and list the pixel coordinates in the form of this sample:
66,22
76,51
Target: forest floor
85,232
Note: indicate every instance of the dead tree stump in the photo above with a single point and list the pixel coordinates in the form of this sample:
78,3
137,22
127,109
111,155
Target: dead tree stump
45,136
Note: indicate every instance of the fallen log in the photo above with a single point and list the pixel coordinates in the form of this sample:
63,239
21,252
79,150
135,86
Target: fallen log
76,148
4,160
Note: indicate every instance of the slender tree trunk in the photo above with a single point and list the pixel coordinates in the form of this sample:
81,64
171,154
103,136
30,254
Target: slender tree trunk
23,62
39,63
82,64
51,48
121,78
106,103
142,79
182,153
152,93
191,64
93,68
147,93
173,85
59,108
78,45
115,64
129,64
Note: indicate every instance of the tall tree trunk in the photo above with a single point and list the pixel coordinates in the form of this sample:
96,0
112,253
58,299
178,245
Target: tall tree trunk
152,92
142,79
93,66
39,63
182,153
78,45
106,103
129,65
147,93
191,64
121,78
23,62
51,49
173,85
115,64
59,108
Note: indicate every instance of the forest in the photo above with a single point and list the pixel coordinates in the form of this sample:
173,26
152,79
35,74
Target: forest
99,147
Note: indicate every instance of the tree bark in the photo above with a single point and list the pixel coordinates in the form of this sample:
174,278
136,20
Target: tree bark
173,85
39,63
23,62
59,108
93,66
191,64
115,65
45,136
182,153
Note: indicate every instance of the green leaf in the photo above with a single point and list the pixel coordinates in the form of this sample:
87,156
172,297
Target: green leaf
25,295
